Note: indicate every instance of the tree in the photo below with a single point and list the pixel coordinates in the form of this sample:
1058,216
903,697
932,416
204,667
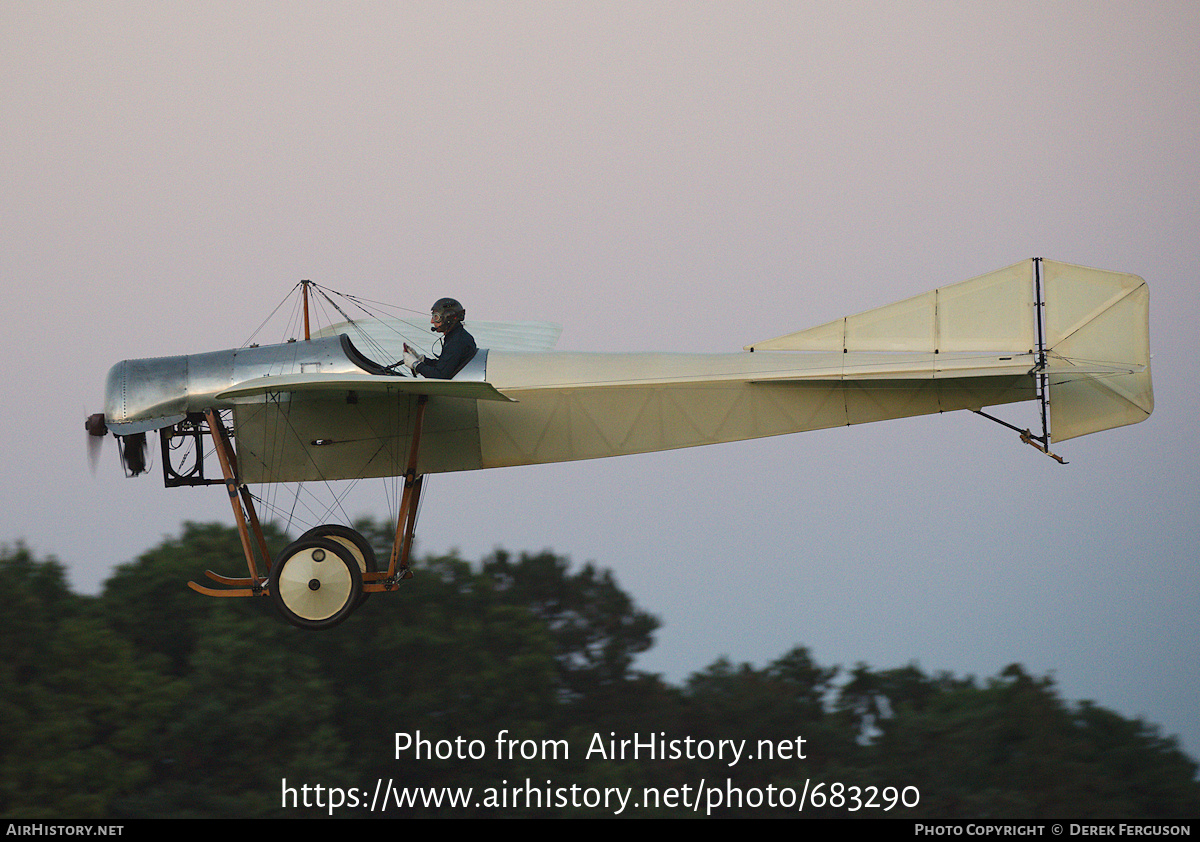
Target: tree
1013,748
596,629
80,704
253,712
151,700
149,603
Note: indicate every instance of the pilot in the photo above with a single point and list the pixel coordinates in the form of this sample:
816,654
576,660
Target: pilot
458,346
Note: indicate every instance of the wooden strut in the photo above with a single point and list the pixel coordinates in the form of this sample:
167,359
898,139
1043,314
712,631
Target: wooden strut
406,520
304,289
243,512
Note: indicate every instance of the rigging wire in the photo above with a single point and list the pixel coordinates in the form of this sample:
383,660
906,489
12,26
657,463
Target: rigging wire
271,315
379,321
306,503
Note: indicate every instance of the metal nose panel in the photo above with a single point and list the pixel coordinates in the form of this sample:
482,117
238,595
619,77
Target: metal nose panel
145,394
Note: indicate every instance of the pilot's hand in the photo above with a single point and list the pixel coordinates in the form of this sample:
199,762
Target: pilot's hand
411,358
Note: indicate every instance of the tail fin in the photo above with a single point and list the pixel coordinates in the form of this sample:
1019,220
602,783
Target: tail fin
1096,337
994,312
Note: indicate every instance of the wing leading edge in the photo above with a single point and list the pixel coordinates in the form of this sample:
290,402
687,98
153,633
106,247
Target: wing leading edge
353,382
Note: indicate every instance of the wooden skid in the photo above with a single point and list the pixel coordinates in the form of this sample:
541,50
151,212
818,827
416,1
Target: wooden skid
377,582
381,582
379,576
225,591
231,581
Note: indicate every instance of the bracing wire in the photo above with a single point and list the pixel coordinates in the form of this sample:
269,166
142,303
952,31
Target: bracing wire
377,319
271,315
315,504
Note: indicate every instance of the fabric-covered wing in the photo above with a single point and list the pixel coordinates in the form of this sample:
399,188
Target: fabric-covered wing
308,427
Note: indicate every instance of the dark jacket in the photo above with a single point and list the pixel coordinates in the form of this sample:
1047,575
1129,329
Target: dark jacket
458,347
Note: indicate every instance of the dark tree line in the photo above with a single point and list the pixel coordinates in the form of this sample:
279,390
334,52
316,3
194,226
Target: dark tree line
152,701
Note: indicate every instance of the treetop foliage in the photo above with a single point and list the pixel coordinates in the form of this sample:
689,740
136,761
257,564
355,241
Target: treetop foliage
152,701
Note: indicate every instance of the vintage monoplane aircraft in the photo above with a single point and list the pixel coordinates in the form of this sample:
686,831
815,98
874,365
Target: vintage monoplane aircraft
1074,339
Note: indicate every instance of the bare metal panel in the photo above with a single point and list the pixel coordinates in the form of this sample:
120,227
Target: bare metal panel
145,394
156,392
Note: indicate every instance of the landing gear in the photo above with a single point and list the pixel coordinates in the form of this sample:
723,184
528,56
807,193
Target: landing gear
319,579
316,583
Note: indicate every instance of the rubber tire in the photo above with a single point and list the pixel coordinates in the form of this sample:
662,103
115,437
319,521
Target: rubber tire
306,568
354,541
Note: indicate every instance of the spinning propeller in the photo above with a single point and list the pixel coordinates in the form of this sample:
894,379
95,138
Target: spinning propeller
133,447
96,431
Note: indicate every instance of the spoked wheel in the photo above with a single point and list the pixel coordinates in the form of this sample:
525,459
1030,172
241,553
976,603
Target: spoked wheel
316,583
352,540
